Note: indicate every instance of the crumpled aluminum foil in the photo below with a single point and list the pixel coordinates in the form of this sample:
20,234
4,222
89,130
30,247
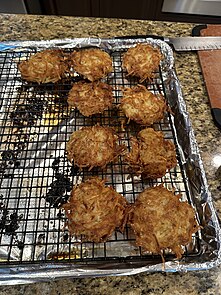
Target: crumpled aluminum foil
209,236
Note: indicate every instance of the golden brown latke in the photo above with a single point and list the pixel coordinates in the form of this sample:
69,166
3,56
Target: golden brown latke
161,221
90,98
142,106
141,61
151,155
93,63
94,146
45,66
95,210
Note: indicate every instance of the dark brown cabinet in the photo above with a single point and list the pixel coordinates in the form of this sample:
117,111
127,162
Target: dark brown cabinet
129,9
68,7
139,9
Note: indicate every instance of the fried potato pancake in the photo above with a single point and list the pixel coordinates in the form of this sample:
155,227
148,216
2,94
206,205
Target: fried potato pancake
94,146
151,155
161,221
90,98
141,61
44,66
142,106
95,210
93,63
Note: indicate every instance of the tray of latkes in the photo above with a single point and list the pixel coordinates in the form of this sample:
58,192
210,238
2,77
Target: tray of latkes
99,167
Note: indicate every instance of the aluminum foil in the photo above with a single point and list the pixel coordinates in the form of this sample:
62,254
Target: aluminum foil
210,234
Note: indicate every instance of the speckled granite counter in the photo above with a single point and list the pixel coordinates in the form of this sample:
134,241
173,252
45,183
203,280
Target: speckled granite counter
26,27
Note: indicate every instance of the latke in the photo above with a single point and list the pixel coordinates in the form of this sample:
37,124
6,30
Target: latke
94,146
151,155
90,98
93,63
161,221
142,61
46,66
142,106
95,210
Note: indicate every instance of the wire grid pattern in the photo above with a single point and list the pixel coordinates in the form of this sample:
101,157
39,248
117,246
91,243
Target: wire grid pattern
35,125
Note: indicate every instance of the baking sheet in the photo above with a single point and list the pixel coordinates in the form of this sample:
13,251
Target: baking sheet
38,248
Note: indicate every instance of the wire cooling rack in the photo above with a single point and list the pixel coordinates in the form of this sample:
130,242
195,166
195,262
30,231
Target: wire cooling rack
36,178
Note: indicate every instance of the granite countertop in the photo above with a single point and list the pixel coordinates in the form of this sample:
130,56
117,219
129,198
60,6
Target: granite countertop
31,27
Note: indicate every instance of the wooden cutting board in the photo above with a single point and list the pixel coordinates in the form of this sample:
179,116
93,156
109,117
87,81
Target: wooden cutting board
211,68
